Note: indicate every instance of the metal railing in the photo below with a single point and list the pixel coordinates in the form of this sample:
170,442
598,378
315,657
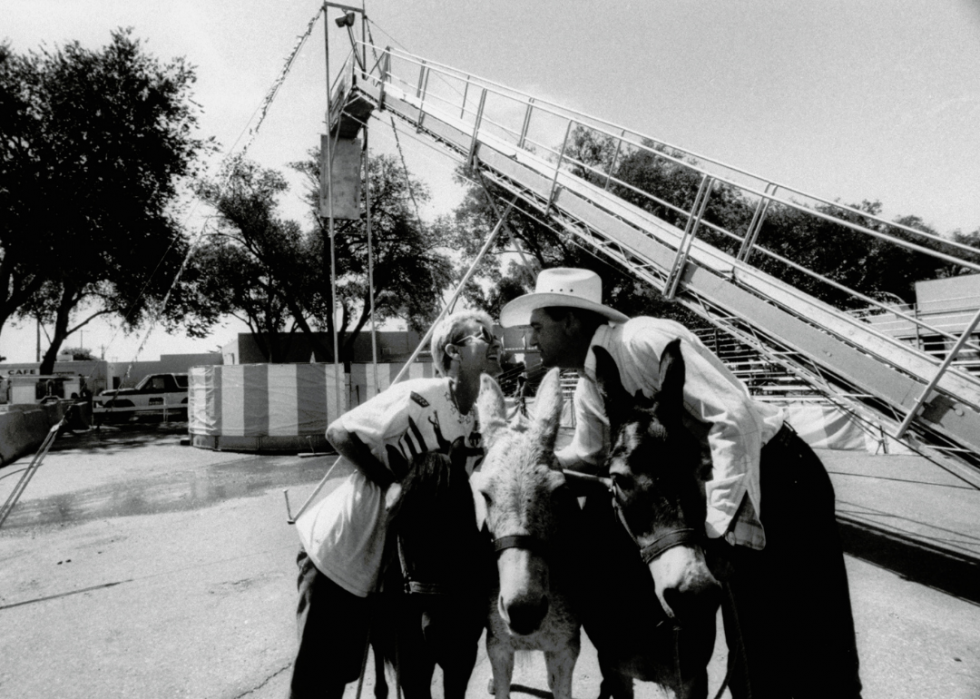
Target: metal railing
469,113
543,128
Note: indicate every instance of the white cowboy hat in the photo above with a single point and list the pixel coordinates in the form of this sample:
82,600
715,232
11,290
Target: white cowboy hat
561,286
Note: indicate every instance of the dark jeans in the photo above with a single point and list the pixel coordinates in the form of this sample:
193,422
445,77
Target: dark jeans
789,603
333,629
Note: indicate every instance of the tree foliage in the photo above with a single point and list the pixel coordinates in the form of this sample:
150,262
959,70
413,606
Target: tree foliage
531,243
411,269
663,182
94,147
274,275
79,353
255,265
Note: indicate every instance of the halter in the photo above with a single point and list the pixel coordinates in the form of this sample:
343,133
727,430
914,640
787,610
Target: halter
674,537
418,587
528,542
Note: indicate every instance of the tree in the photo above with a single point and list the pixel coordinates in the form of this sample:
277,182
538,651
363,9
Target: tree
664,182
255,265
872,266
79,353
412,270
230,279
816,239
21,269
276,276
543,243
94,147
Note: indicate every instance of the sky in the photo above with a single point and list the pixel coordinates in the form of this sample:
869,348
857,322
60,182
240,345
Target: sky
851,100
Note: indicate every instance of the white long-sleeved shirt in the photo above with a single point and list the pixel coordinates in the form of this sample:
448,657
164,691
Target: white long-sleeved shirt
738,425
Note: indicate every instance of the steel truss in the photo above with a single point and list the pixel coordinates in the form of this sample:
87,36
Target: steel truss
843,358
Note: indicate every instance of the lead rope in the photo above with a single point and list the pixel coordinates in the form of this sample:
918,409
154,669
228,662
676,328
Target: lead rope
740,645
367,641
385,561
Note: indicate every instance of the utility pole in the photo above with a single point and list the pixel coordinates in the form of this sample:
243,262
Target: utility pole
328,164
367,204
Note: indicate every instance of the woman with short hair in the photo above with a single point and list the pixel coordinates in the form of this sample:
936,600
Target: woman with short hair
343,535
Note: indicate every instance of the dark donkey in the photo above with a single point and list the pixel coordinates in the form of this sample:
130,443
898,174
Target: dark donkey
653,607
433,607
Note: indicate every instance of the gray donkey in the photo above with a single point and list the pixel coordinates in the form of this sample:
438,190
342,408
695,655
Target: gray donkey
532,518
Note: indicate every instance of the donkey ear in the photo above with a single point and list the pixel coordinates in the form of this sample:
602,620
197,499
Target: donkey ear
547,410
492,410
672,374
616,399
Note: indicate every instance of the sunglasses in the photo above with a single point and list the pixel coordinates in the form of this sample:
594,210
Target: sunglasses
484,335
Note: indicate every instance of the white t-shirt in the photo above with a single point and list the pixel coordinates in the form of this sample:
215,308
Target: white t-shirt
344,533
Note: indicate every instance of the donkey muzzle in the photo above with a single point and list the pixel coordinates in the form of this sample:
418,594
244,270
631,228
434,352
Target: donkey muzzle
524,615
524,584
686,588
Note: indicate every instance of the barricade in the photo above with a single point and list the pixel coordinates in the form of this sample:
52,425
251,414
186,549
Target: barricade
264,407
23,427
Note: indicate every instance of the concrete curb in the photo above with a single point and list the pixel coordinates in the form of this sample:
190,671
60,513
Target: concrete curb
23,428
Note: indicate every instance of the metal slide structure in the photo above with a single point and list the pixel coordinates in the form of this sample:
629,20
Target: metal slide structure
519,143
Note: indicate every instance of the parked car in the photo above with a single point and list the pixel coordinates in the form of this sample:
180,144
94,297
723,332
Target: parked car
157,393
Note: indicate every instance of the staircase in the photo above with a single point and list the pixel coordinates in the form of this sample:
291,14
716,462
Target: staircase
519,143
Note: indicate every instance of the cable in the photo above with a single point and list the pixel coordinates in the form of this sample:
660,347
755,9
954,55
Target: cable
408,183
262,110
274,90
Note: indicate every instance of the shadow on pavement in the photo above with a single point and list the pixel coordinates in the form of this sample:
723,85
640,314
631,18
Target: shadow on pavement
112,438
164,492
936,568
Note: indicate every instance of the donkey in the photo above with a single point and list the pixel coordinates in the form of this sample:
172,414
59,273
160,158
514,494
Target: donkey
531,517
659,625
434,604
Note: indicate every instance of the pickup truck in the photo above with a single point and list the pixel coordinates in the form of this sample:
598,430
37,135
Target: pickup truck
166,393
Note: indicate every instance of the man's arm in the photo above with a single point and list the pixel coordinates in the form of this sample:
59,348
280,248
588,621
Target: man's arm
586,451
734,437
350,446
570,461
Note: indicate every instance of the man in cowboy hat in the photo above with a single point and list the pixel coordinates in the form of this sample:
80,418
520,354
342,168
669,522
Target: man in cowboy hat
802,646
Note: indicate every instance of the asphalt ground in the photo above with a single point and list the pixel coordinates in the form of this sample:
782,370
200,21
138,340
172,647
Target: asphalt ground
915,517
136,566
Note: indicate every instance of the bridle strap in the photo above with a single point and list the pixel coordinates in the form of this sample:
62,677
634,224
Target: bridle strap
527,542
418,587
675,537
684,536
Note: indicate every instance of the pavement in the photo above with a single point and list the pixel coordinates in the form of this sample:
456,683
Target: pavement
910,515
135,565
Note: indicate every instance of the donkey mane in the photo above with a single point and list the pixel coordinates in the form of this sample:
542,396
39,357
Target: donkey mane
436,515
426,489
